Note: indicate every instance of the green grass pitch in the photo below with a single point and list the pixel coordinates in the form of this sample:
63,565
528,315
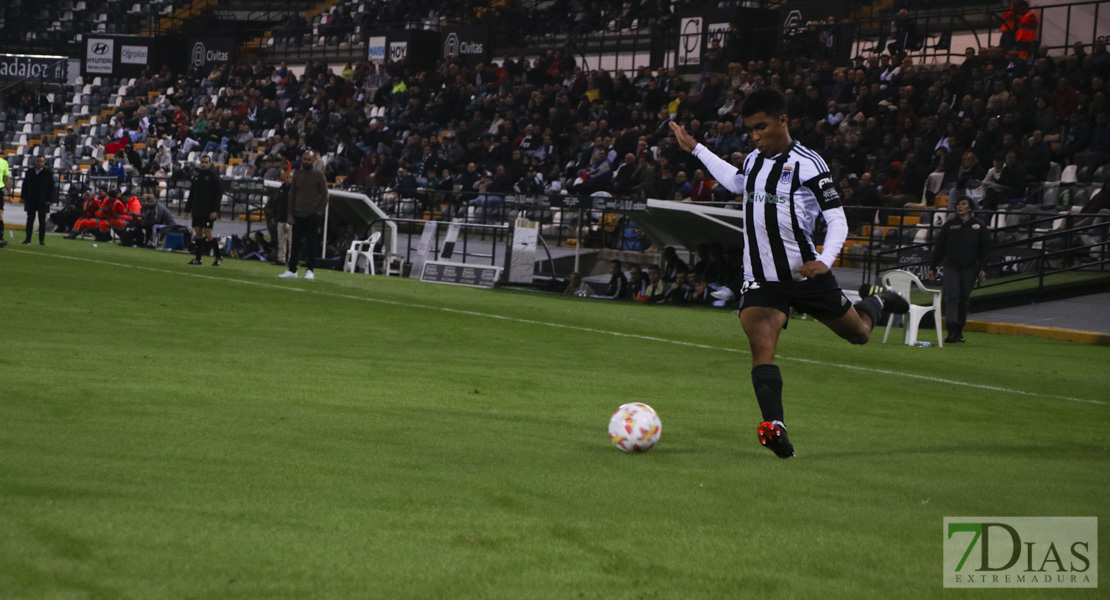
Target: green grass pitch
169,431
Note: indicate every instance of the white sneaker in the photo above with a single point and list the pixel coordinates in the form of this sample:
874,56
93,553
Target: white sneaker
289,275
309,276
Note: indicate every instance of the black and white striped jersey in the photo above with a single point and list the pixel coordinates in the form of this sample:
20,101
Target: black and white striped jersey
783,196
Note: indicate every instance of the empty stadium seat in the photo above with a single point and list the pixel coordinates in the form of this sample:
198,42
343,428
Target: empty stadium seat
1054,172
903,282
1049,196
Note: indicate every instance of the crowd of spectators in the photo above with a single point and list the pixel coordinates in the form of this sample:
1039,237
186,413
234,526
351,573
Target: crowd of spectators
882,122
990,125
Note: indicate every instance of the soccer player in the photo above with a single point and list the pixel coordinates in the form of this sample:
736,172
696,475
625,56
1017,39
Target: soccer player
204,205
786,187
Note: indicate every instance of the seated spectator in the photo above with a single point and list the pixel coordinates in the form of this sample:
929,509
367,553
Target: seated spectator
155,218
617,289
701,190
681,188
863,204
253,248
637,282
969,178
575,286
672,264
341,243
655,289
909,184
678,293
700,293
596,176
1008,183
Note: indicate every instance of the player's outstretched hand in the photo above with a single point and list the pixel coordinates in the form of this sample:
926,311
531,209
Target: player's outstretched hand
813,268
685,140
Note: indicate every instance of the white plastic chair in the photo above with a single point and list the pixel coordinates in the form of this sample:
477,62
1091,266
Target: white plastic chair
902,282
362,251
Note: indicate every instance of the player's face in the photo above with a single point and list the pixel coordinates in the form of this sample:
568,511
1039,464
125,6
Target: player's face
770,134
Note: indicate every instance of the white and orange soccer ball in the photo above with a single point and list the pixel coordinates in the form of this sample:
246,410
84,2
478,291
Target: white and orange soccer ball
635,427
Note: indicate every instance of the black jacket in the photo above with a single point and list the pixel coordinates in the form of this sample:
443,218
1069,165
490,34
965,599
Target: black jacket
205,195
962,244
618,287
38,189
279,204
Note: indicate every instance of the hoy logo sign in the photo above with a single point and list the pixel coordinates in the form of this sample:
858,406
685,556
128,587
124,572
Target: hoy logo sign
1042,552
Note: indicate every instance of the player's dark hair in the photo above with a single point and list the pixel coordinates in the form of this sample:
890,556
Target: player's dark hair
764,100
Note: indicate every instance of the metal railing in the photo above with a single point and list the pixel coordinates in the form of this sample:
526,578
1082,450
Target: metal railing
1036,246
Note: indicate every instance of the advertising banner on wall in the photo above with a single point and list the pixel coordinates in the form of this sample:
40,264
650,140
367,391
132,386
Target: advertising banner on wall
689,41
134,55
469,43
375,49
48,69
100,56
210,51
420,49
121,55
698,30
398,50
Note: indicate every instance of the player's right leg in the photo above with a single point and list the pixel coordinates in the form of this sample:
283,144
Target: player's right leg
762,325
199,242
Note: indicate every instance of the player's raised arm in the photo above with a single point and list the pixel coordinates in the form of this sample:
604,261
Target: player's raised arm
725,174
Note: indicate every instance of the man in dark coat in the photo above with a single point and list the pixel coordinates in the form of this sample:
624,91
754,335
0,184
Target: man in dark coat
308,198
38,194
204,206
961,248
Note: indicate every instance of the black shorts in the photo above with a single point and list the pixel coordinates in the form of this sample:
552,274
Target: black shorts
202,222
819,296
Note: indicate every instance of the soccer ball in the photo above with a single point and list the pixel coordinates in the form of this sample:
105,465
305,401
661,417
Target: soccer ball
635,427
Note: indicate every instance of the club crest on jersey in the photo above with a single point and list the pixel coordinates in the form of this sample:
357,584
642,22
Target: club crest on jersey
787,175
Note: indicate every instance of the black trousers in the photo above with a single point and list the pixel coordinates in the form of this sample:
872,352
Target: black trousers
306,230
41,212
957,284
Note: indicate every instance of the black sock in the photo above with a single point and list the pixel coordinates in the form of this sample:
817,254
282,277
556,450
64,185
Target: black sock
1,228
200,247
767,381
215,247
870,306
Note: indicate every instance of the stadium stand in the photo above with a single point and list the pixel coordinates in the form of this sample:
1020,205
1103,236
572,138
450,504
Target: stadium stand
890,127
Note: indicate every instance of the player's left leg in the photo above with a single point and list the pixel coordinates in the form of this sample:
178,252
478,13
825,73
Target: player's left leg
42,225
214,245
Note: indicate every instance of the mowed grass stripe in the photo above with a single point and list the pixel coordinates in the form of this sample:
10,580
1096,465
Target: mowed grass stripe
486,315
